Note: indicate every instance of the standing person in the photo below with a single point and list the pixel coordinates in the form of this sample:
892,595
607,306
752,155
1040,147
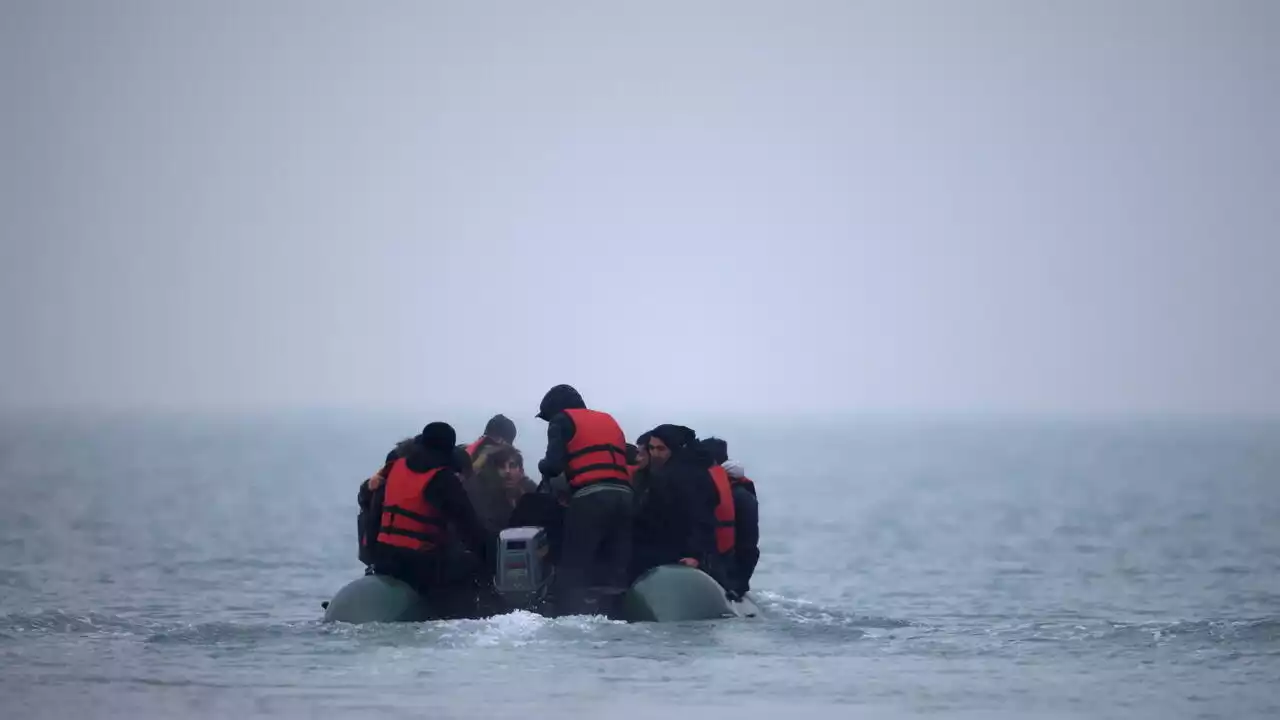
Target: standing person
589,448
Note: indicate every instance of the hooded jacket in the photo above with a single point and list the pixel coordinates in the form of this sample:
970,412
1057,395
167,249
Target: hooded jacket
490,497
560,427
445,491
676,514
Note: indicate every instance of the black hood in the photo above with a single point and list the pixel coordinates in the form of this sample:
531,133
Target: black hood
557,400
718,448
676,437
697,455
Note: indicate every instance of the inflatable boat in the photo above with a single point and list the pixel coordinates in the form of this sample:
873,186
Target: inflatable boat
522,579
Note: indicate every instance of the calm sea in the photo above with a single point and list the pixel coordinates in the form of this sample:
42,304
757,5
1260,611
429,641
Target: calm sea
173,566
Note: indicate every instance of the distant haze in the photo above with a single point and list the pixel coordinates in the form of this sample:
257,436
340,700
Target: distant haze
740,206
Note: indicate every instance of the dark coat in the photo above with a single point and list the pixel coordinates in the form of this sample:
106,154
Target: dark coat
675,516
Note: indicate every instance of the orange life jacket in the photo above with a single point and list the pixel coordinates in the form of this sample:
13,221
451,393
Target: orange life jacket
597,452
408,520
724,510
474,447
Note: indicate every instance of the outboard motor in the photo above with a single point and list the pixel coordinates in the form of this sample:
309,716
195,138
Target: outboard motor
524,566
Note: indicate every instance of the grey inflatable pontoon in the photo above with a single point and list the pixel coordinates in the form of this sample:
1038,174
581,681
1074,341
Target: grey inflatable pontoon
668,593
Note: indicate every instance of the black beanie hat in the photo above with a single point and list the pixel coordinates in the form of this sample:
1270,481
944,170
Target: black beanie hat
438,436
500,427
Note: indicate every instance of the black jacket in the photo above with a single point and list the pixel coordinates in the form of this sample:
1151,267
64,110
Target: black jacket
676,514
746,536
560,430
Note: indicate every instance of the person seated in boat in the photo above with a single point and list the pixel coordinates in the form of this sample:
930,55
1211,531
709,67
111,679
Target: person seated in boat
499,432
642,451
427,523
588,448
497,486
641,462
633,459
369,500
675,514
746,508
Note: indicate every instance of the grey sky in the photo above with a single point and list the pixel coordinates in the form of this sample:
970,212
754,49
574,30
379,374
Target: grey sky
696,206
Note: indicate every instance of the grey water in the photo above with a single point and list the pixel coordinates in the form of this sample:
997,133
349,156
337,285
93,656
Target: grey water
174,565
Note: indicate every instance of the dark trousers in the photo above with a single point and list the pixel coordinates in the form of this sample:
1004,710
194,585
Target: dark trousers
596,548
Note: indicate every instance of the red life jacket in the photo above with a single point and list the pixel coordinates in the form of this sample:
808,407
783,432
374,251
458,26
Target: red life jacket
481,442
597,452
724,510
408,520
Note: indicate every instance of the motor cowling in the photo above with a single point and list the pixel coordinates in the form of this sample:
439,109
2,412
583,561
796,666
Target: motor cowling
523,571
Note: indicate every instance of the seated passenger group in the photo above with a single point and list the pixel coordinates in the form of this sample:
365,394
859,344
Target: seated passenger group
612,510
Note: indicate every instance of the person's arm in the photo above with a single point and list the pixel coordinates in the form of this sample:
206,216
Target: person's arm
446,493
560,430
364,496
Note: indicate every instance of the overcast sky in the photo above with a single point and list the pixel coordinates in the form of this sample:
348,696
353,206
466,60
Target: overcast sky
956,206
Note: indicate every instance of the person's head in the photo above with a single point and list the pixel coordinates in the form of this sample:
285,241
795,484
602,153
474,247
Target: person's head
438,436
501,429
509,464
719,449
433,447
557,400
642,450
666,441
658,452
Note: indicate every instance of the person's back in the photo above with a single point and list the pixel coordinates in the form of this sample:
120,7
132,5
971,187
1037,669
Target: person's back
588,448
423,506
369,500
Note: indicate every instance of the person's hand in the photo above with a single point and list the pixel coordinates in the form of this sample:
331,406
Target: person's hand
689,562
375,481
